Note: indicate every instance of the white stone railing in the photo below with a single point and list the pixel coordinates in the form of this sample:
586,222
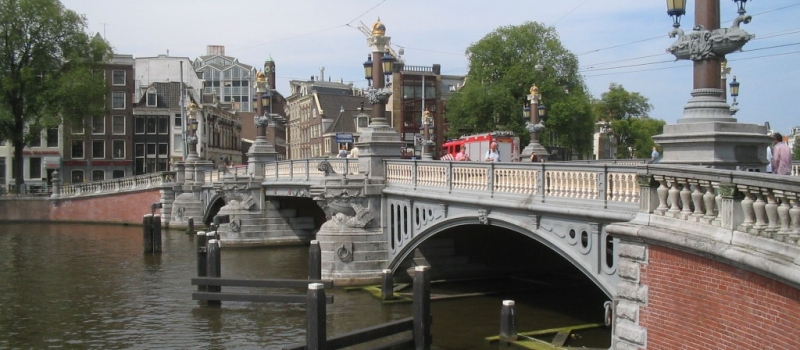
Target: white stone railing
795,168
609,183
764,205
125,184
308,169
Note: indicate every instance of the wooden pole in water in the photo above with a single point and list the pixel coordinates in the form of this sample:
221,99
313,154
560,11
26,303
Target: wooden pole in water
190,222
387,285
156,234
202,263
214,268
508,322
422,308
316,313
147,236
314,261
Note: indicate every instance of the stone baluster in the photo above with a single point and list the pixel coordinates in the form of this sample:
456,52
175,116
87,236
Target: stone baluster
747,209
674,197
686,199
794,215
759,207
709,203
662,191
697,201
773,223
783,216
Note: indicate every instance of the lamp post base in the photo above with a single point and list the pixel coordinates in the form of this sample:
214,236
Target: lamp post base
532,147
719,145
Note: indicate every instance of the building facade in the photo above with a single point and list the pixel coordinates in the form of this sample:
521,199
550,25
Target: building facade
101,147
226,78
312,109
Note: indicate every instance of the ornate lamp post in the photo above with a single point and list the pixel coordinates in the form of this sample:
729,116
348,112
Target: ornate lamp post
379,141
707,110
191,140
734,94
427,123
534,126
261,118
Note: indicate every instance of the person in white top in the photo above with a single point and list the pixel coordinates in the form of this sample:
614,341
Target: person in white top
492,155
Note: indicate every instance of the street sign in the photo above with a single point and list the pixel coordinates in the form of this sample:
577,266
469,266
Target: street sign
344,137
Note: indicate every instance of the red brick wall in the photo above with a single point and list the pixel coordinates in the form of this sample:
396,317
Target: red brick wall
125,208
698,303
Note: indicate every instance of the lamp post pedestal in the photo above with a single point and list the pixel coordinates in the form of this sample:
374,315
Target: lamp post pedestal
534,127
707,134
261,151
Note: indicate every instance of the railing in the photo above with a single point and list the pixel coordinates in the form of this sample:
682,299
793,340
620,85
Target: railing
795,168
308,169
610,183
116,185
760,204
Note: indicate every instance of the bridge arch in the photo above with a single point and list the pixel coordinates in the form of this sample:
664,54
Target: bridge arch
592,253
215,203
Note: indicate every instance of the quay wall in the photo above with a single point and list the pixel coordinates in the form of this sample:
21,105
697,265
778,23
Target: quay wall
717,306
116,208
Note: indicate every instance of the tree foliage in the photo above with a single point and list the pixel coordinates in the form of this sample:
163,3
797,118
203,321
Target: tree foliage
501,72
626,114
796,149
50,71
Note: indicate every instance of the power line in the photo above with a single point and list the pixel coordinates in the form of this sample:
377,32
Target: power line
570,12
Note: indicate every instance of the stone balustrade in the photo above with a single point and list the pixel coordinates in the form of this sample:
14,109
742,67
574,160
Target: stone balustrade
308,169
115,185
606,182
760,204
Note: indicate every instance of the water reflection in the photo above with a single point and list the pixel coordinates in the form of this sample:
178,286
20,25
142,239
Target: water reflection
91,286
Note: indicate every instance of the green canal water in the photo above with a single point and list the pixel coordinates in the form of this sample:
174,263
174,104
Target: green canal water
92,287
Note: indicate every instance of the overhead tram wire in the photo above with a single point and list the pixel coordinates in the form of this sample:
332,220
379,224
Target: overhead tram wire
661,36
310,33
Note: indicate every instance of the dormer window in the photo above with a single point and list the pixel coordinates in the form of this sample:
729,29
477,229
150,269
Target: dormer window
152,98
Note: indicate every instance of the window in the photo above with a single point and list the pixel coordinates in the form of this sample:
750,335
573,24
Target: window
77,176
36,142
77,129
151,150
163,149
152,98
52,137
118,100
118,125
151,125
363,122
116,174
35,168
163,125
177,143
77,149
98,175
139,125
178,121
98,149
118,149
98,125
118,77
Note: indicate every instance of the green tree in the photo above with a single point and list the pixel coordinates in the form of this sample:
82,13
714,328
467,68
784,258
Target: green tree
796,149
501,72
626,113
49,71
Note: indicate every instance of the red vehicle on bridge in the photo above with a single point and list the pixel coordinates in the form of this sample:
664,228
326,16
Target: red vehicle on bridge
477,145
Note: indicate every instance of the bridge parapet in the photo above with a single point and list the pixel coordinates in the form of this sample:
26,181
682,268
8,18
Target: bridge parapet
134,183
309,169
764,205
610,183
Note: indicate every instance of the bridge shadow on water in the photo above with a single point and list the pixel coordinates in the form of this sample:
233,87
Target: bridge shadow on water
475,267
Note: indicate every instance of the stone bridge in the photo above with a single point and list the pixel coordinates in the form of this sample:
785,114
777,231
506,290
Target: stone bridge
671,246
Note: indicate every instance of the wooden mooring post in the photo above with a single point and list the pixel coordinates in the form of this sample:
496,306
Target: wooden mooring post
314,261
190,223
214,268
151,233
201,258
387,285
316,317
422,308
508,322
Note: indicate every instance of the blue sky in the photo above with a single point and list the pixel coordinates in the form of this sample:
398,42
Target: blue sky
620,41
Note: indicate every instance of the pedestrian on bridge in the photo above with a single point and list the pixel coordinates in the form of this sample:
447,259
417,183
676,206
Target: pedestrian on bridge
781,156
492,155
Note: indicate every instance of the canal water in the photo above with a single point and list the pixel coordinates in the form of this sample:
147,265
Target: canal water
67,286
